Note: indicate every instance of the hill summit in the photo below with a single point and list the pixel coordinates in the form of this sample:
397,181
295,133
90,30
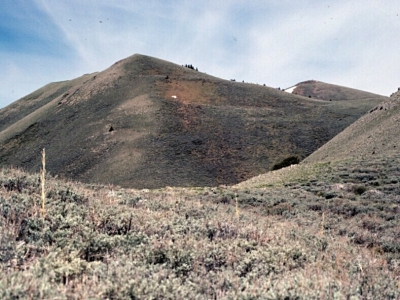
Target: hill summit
330,92
147,123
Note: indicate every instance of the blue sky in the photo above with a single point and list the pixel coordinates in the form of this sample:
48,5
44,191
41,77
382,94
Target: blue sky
279,43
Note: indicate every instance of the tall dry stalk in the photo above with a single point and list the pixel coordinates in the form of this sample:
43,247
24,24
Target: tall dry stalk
43,175
237,206
323,225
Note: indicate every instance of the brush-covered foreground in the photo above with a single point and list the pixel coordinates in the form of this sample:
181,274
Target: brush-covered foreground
332,234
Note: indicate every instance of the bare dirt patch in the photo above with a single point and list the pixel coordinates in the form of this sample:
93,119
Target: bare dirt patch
192,92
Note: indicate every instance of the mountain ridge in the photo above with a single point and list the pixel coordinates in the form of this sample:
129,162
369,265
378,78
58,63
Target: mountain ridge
329,92
146,122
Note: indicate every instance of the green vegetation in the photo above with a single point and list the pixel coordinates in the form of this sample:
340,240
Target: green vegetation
318,239
191,67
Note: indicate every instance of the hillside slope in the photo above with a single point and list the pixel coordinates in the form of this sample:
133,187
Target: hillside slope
28,104
375,134
365,152
145,122
330,92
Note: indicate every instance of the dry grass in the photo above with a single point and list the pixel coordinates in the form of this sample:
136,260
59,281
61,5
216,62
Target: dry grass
112,243
43,180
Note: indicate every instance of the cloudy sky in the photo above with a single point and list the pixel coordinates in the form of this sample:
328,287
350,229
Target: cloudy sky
276,42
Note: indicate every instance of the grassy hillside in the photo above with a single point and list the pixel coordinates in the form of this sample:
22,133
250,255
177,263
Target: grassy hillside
375,134
148,123
332,234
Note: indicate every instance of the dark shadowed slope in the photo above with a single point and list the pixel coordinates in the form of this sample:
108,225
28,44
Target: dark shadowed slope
330,92
145,122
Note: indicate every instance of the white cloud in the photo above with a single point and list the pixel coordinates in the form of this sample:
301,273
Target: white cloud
340,44
278,43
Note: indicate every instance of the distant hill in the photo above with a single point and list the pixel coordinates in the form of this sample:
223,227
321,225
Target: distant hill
146,122
329,92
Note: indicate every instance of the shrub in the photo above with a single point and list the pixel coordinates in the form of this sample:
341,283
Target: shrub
291,160
360,189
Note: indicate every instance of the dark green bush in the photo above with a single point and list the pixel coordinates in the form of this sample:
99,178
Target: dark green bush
360,189
291,160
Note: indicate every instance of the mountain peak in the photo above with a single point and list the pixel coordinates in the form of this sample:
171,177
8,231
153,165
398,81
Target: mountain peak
147,122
